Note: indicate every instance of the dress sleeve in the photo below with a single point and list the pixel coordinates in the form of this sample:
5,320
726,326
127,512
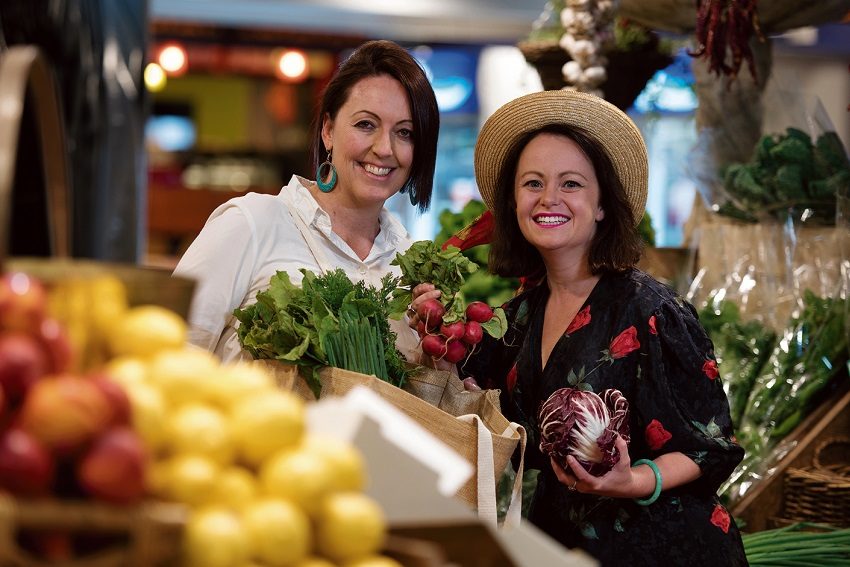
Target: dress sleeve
682,406
220,260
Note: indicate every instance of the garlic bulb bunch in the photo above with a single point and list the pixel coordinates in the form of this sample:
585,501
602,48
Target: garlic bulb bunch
587,33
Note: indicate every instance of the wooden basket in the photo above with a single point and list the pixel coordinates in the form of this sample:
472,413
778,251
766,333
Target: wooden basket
628,71
148,535
821,493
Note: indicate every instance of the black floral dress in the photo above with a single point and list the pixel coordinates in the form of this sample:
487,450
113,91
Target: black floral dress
637,336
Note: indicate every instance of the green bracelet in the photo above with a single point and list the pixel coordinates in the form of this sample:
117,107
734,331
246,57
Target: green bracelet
657,491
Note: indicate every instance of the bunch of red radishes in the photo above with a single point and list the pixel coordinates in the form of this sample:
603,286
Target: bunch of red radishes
449,328
451,341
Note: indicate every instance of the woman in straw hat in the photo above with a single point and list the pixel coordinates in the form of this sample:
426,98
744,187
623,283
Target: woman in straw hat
565,176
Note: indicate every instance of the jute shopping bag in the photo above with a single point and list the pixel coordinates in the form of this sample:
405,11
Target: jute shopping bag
469,422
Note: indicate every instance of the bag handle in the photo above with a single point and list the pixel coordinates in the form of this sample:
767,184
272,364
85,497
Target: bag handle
487,509
485,471
312,245
23,67
514,514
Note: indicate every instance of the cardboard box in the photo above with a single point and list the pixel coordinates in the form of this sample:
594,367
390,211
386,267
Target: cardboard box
405,479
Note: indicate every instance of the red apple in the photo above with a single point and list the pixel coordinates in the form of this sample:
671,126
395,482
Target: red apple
22,363
56,343
65,412
113,469
23,302
120,407
26,467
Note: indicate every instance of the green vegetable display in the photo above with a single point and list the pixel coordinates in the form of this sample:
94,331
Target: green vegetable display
798,544
788,171
812,351
480,285
800,369
741,350
328,321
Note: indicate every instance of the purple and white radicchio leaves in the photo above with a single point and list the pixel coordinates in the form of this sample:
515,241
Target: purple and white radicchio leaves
585,425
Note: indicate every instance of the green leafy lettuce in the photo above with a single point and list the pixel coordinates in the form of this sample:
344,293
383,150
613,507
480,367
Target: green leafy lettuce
328,321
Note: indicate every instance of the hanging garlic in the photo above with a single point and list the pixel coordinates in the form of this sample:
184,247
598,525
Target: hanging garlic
587,32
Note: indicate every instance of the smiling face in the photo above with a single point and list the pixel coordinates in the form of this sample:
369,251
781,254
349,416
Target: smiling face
557,196
371,141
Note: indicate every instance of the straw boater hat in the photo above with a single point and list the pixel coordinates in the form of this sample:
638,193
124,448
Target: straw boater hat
601,120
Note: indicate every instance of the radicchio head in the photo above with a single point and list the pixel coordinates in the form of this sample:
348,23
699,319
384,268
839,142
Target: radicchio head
583,424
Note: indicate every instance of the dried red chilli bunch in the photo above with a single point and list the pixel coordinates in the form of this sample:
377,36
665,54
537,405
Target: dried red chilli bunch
727,24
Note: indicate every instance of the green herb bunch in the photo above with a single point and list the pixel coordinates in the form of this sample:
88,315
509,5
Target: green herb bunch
328,321
798,544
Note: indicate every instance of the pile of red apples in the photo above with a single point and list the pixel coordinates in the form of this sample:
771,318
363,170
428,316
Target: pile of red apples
63,433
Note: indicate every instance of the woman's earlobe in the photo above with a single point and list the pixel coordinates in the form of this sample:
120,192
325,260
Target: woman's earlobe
600,214
327,132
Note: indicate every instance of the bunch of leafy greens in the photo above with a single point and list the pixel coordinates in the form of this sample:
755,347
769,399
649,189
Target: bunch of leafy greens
328,321
426,262
787,173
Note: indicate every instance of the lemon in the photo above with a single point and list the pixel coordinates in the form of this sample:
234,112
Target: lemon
146,330
127,370
349,526
215,537
190,479
278,532
235,488
108,305
373,561
198,429
316,562
157,478
237,381
263,424
298,476
183,374
149,414
346,462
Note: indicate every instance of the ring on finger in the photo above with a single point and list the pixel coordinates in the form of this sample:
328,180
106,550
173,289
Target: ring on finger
573,487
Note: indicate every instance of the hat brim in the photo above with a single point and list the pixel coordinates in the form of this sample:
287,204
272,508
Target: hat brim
610,127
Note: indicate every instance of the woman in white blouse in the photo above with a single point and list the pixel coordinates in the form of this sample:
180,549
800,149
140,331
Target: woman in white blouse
375,135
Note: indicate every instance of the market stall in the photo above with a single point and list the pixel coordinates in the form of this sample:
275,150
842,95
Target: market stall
120,445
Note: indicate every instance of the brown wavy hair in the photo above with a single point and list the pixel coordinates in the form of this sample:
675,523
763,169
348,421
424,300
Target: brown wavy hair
615,247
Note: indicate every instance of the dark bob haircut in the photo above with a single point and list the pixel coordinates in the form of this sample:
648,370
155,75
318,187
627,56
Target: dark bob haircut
381,57
615,247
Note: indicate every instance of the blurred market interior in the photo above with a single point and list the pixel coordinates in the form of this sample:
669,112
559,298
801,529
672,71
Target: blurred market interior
174,106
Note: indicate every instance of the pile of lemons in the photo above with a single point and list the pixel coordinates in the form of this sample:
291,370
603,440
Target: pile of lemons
233,447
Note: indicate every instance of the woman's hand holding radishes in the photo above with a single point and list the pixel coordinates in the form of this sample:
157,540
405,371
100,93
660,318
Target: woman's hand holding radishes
430,295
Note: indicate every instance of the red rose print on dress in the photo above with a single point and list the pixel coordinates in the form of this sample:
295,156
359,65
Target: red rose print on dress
710,369
652,330
720,518
623,344
510,379
656,436
581,319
